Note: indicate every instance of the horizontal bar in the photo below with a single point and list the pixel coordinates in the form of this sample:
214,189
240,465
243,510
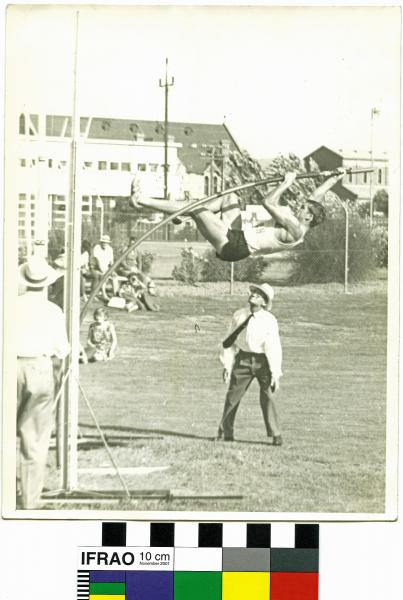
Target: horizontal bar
118,494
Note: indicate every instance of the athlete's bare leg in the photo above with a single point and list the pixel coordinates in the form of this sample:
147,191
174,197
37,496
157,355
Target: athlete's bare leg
212,226
231,212
171,206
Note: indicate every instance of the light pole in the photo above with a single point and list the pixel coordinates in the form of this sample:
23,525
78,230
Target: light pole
166,85
374,111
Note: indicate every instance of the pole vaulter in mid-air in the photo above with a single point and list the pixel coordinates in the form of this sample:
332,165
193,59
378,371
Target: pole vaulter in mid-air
220,223
190,209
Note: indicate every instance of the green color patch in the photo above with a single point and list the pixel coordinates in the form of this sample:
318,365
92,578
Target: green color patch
197,585
113,589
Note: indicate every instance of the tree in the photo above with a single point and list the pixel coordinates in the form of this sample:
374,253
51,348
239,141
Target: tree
243,168
381,201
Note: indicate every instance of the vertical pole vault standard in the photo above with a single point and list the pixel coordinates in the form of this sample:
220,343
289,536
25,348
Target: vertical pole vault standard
166,85
72,295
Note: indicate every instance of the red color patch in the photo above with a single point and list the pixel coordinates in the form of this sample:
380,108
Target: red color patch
294,586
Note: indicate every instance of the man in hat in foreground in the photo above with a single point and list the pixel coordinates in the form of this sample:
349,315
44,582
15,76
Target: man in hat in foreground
252,349
41,343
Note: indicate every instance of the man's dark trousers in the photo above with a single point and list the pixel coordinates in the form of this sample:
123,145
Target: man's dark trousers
248,366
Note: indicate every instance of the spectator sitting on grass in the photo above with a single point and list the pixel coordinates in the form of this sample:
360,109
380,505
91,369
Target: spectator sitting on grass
102,340
137,292
129,263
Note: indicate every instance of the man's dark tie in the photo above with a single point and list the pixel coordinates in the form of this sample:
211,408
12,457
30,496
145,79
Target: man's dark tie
227,343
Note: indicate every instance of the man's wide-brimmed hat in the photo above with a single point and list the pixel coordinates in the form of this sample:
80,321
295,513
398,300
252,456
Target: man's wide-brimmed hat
266,290
105,239
36,273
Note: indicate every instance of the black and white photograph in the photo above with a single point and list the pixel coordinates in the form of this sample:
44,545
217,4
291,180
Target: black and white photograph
201,262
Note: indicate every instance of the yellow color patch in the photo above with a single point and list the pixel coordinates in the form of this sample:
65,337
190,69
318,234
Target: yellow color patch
242,586
107,597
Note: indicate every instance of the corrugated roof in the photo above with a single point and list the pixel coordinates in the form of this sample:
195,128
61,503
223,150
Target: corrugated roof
192,136
153,131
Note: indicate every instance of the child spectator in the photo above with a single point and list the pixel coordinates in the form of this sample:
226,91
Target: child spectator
102,341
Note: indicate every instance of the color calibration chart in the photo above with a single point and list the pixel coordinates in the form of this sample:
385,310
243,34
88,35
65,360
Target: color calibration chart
201,561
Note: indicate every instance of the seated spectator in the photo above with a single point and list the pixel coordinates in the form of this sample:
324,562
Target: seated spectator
137,292
102,340
84,267
102,259
56,290
129,263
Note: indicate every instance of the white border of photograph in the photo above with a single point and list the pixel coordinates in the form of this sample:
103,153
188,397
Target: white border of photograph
9,377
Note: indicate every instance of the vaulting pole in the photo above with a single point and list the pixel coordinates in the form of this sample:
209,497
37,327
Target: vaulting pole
192,206
72,296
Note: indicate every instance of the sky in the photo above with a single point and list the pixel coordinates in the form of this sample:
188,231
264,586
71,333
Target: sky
283,79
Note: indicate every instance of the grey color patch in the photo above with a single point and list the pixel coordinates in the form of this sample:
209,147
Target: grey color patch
246,559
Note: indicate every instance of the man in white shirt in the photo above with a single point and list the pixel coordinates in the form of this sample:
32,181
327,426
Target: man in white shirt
219,220
252,349
41,343
102,256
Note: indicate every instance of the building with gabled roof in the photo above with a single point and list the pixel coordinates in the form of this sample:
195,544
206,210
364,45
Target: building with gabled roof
111,152
353,186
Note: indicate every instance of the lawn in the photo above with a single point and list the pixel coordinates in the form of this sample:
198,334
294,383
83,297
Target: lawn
165,382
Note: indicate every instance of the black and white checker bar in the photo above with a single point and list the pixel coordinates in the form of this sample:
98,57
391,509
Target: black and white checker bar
210,535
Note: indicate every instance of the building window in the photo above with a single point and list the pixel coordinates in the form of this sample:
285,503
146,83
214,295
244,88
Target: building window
142,167
23,162
50,163
350,178
34,120
114,166
386,176
21,127
379,175
87,164
102,165
215,185
153,167
125,166
62,164
86,205
364,177
206,185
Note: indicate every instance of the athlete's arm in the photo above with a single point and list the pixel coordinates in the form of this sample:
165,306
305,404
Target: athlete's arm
320,191
274,196
290,229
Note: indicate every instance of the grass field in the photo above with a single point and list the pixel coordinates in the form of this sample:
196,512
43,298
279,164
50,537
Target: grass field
166,382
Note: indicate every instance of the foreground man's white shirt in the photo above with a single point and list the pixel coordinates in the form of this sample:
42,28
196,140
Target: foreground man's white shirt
261,336
40,327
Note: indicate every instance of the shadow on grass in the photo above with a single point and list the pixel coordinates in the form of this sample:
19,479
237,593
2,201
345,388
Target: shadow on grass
165,432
